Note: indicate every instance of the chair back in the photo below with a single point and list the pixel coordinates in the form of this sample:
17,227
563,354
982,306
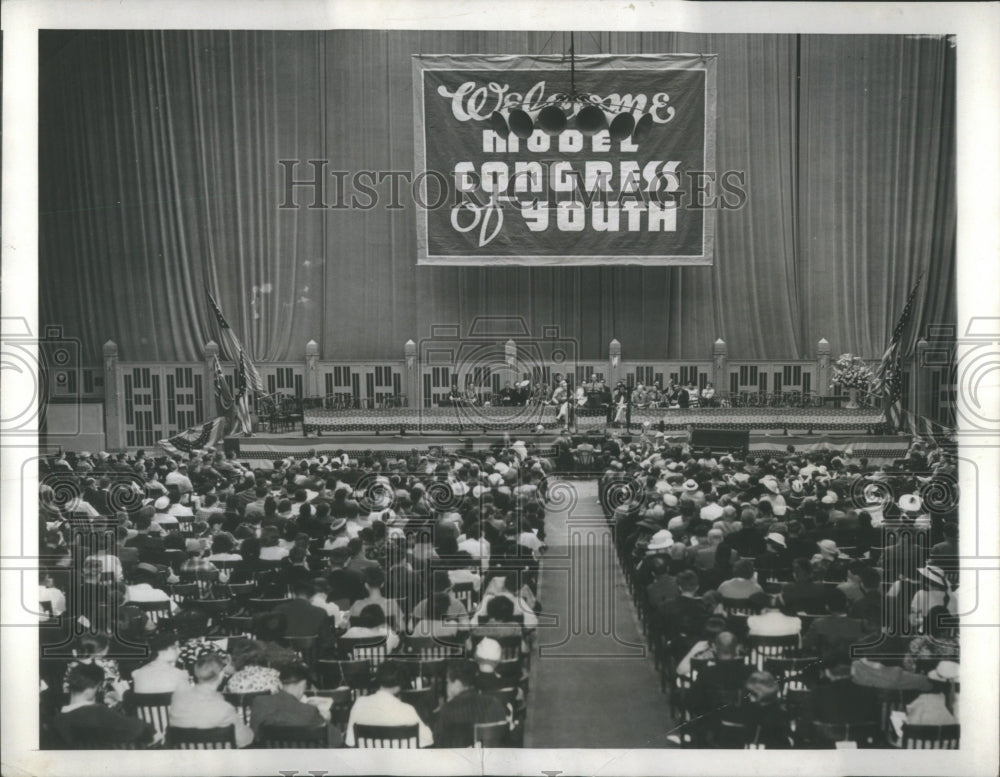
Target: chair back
263,605
431,647
394,737
238,626
305,647
467,594
763,648
373,651
788,670
184,592
341,701
155,611
356,675
152,708
201,738
741,607
931,737
490,734
292,737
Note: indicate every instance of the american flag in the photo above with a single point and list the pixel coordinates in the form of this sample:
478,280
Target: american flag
233,347
242,423
888,383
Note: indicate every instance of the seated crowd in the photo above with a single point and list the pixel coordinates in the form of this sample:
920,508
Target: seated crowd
793,601
192,601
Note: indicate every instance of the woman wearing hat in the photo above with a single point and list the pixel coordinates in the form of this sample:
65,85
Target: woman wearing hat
937,641
935,592
939,707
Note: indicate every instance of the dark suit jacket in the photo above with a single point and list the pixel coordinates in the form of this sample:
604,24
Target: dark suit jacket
304,619
96,726
455,720
842,702
283,709
833,632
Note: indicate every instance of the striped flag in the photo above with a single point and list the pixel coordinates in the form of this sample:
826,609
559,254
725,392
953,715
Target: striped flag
242,423
231,346
888,382
223,393
200,436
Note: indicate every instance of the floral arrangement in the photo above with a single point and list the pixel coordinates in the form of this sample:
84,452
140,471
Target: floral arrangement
850,371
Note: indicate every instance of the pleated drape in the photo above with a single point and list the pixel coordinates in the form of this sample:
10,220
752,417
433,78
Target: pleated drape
160,169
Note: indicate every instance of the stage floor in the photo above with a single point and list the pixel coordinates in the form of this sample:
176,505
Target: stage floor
263,449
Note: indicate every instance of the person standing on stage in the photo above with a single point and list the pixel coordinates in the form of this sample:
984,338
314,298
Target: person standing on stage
560,398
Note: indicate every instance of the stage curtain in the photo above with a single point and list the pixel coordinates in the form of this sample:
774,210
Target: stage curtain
159,171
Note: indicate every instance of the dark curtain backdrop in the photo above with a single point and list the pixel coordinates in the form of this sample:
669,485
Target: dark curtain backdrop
159,175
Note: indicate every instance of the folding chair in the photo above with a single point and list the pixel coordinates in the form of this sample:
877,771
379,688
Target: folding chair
305,647
372,650
342,699
432,647
931,737
395,737
153,708
355,675
467,594
201,738
490,734
292,737
763,648
155,611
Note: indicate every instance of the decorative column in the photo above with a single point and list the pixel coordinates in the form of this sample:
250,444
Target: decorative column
208,409
412,377
919,383
720,366
614,362
114,436
312,370
823,368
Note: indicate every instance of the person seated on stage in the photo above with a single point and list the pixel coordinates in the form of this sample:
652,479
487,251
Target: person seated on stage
708,395
471,397
693,395
455,396
670,394
639,396
654,396
683,398
507,394
580,396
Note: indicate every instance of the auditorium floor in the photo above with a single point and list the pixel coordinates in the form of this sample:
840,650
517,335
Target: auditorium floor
592,684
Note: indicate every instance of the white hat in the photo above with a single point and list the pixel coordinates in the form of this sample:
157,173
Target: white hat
677,522
662,540
501,468
478,491
770,483
909,503
162,503
690,485
670,500
776,538
934,574
741,478
488,651
945,671
829,498
873,494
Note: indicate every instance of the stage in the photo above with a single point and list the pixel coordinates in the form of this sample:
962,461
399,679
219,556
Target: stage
477,429
467,419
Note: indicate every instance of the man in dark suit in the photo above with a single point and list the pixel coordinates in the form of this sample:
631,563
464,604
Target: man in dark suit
465,707
836,699
150,546
85,724
835,631
286,707
303,618
684,617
